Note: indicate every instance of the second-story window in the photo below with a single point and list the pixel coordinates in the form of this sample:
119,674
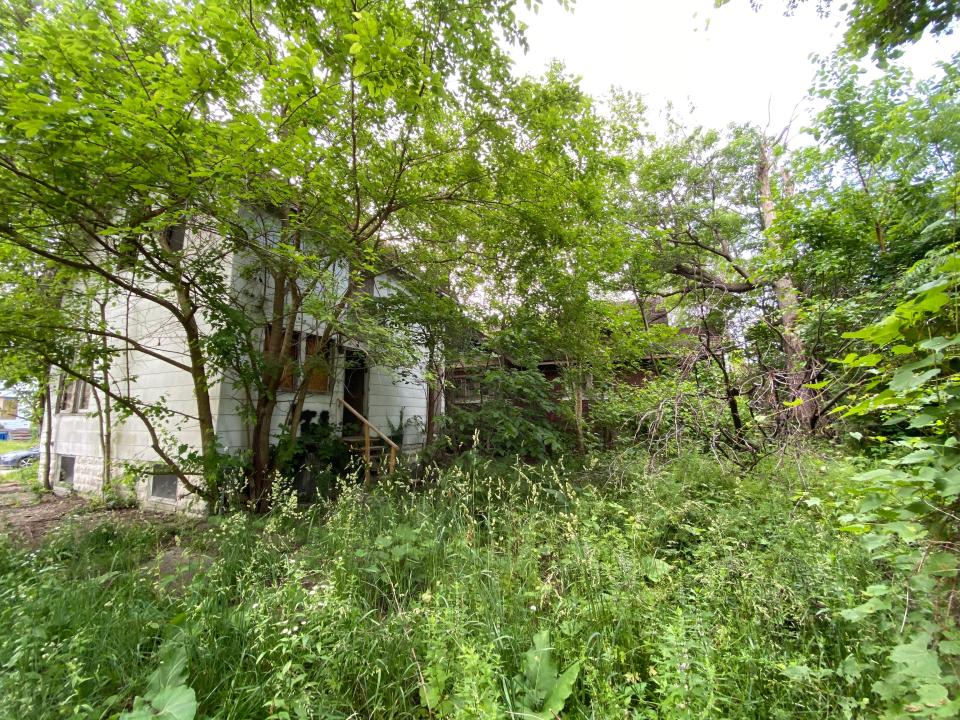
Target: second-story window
74,396
173,237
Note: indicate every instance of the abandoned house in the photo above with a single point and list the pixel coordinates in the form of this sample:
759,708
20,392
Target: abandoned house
392,400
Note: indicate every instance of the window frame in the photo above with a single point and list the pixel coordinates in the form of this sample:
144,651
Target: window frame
164,472
174,237
73,469
291,359
74,396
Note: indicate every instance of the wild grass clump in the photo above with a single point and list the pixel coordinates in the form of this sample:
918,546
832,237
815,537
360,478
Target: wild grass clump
495,592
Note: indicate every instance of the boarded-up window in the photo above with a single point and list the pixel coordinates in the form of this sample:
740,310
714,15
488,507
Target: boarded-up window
67,464
320,379
163,485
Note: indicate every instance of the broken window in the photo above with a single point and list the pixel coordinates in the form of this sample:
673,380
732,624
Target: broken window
67,465
83,396
68,395
74,396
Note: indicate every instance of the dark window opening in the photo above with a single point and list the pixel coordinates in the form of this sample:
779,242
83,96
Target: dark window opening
290,359
68,393
163,485
83,397
67,465
74,396
173,237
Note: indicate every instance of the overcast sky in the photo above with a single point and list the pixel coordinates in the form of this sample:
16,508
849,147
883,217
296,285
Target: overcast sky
730,63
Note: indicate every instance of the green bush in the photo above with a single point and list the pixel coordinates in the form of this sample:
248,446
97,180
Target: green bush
518,415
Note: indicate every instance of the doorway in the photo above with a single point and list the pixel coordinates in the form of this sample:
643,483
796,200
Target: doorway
355,375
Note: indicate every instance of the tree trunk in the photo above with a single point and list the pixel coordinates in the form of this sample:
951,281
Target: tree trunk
201,390
794,352
47,424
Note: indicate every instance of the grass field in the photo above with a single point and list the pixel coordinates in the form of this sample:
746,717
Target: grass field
11,445
599,592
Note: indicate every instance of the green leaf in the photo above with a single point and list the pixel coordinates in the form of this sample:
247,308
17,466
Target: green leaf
561,690
31,127
938,344
905,380
915,660
654,568
871,606
880,333
796,673
175,703
172,670
932,695
917,456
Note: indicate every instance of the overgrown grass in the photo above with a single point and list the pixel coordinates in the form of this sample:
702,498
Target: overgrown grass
690,593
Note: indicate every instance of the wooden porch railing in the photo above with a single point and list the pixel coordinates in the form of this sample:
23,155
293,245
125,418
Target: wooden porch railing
369,427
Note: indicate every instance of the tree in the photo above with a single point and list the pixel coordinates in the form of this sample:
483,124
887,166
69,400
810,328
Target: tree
309,146
884,25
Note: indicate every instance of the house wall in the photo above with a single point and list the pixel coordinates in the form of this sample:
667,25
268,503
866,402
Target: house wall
78,433
388,394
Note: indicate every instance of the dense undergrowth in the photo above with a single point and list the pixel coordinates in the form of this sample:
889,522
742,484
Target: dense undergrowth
600,592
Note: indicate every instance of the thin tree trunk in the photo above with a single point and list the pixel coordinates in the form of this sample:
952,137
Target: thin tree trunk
47,424
788,303
106,427
201,389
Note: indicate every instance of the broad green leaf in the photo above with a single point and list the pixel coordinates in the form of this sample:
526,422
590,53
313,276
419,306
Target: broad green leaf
917,456
938,344
933,694
871,606
880,333
172,670
916,660
175,703
654,568
905,380
561,690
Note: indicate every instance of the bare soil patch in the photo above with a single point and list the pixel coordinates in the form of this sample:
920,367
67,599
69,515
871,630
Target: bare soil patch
27,518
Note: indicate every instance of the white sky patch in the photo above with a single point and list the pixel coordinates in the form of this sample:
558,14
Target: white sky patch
729,64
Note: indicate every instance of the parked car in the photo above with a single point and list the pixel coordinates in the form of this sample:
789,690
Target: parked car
20,458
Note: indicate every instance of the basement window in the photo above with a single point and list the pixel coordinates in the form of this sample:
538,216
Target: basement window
163,485
67,464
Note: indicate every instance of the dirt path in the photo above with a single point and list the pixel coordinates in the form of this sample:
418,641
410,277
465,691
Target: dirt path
27,518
